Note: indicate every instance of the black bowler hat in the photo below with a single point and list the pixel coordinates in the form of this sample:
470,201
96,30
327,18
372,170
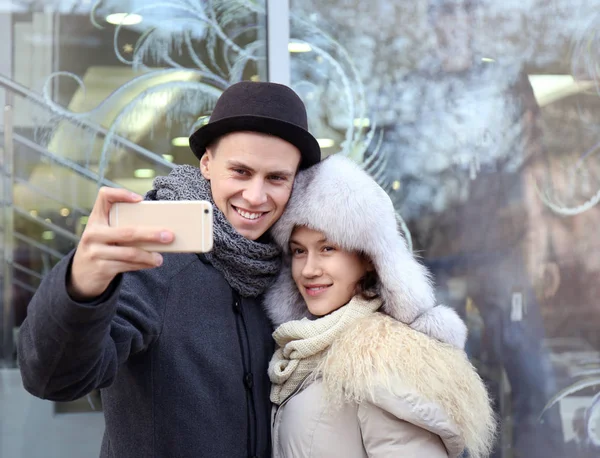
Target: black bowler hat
268,108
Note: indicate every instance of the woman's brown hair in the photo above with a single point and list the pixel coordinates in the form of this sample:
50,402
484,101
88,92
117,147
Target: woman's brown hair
368,286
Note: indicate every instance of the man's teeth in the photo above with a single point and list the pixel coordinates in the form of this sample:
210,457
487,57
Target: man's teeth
248,215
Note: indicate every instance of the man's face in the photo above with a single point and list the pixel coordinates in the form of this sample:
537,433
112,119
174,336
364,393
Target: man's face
251,177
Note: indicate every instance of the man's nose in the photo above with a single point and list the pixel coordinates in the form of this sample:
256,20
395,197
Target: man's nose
255,193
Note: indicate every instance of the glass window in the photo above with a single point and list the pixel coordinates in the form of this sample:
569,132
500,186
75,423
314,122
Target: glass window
92,94
479,119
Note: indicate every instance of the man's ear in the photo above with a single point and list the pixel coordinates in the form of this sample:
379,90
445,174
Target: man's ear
205,165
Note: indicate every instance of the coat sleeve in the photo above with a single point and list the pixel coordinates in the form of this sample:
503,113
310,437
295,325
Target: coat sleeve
385,435
66,348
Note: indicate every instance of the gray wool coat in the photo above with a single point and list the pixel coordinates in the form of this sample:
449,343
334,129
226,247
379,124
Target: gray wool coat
180,358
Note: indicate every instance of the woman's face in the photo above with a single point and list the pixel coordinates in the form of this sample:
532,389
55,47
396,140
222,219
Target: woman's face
325,275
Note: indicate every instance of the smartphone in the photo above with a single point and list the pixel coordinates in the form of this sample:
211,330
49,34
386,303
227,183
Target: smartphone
191,221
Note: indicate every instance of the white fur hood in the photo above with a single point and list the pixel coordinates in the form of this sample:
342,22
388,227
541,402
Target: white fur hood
341,200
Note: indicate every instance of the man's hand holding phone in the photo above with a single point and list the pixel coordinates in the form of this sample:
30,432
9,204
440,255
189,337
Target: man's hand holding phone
105,251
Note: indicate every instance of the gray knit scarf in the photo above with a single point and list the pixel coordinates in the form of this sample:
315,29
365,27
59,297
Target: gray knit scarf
249,267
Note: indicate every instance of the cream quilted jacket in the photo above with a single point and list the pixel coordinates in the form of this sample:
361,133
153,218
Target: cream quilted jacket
385,390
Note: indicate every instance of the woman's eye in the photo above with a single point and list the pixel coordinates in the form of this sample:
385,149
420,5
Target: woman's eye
328,248
297,251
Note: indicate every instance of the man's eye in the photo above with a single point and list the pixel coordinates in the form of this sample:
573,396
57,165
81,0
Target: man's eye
276,178
328,248
240,171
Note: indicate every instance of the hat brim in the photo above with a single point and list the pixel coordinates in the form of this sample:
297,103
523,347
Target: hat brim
302,139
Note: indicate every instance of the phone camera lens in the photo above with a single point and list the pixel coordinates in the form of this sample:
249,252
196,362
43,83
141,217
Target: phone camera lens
206,210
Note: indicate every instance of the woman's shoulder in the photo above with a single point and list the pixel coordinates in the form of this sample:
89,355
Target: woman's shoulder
384,362
389,347
413,421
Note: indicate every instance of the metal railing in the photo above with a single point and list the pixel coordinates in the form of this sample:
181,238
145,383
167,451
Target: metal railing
7,315
17,89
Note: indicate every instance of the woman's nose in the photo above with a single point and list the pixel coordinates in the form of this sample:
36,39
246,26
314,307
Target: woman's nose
312,268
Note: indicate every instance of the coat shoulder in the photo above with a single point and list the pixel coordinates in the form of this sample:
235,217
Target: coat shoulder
176,263
380,358
409,425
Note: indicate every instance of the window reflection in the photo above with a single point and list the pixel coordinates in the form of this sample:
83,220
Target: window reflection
487,148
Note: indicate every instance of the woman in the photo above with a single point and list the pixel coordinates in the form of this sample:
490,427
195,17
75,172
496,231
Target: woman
366,364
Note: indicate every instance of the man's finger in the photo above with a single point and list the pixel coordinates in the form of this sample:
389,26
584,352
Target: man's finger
127,256
105,235
117,267
106,198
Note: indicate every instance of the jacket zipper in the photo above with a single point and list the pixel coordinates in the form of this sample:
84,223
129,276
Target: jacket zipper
275,437
242,331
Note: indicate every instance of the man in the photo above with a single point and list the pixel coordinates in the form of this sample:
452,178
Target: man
179,344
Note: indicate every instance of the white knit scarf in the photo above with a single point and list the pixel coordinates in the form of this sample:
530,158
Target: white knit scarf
302,344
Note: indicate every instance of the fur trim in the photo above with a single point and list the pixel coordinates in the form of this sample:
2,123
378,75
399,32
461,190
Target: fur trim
283,302
341,200
378,353
443,324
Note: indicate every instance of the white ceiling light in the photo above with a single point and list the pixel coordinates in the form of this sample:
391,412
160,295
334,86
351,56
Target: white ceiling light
144,173
180,141
550,88
487,59
168,157
295,46
362,122
325,142
123,19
